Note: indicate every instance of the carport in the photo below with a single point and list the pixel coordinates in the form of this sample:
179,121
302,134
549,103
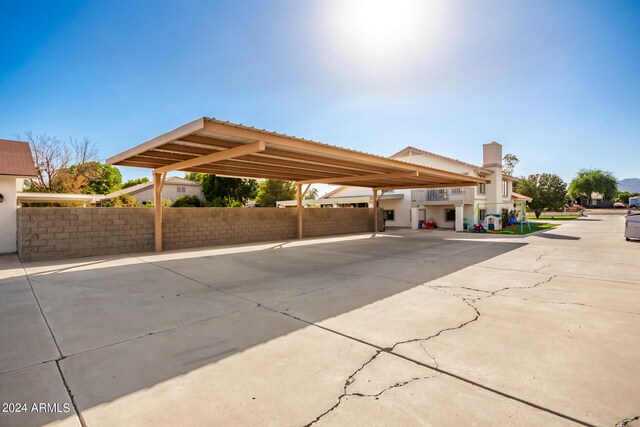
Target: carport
212,146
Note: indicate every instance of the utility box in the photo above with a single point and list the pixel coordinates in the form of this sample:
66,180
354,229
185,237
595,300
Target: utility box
493,222
632,226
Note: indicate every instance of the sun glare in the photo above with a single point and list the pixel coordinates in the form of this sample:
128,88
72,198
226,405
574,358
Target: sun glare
379,32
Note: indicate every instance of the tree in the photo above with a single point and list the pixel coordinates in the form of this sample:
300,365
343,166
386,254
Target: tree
132,182
101,179
50,155
589,181
272,190
88,178
85,150
509,162
122,201
224,192
187,202
312,194
548,191
623,196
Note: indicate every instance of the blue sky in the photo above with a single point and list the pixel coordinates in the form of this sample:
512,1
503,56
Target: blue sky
557,83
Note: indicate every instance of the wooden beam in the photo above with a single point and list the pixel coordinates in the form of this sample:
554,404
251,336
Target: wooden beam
245,172
215,157
419,186
299,206
308,158
356,178
264,158
375,210
158,183
182,131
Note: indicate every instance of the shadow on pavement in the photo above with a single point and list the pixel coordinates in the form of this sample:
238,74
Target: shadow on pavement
126,323
546,235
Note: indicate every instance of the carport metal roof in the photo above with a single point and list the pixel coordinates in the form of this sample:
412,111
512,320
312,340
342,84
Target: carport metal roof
227,149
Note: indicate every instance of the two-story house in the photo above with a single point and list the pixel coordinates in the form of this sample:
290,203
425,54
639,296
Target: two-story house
447,207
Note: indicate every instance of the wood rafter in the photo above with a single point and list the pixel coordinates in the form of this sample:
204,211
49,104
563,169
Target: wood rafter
418,186
214,157
356,178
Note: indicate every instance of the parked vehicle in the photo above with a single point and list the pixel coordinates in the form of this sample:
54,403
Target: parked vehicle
619,205
632,226
634,202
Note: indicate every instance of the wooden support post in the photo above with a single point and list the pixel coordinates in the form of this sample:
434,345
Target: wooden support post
299,204
158,182
375,210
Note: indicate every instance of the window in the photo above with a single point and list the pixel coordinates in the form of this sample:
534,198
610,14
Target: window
482,214
389,215
449,214
505,188
181,189
482,188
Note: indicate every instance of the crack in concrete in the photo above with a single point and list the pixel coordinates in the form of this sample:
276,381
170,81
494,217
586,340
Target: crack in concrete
379,349
453,328
435,362
422,342
396,385
539,259
627,421
351,379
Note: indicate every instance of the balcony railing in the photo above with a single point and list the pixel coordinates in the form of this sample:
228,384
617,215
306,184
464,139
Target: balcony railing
440,195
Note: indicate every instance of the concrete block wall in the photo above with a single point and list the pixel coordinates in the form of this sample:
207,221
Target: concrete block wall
324,222
197,227
53,233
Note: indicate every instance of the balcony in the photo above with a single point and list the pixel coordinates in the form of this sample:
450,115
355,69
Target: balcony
441,196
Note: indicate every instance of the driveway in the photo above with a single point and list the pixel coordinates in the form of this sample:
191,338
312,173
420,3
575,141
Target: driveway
407,328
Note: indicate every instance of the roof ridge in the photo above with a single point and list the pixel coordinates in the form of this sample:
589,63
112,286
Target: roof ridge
410,147
144,185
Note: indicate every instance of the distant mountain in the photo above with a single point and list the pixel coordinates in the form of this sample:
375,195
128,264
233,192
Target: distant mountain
630,184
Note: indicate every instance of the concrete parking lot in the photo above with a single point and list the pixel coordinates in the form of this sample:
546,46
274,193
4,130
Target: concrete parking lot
404,328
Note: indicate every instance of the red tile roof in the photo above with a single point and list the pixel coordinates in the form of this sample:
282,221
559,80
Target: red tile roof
16,159
516,196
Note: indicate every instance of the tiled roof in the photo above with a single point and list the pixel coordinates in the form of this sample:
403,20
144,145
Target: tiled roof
429,153
16,159
517,196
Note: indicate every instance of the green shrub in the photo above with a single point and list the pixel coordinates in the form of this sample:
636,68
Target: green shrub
165,204
123,201
223,202
187,202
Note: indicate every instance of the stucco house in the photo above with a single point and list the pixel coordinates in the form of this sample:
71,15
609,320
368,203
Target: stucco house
174,188
448,207
16,164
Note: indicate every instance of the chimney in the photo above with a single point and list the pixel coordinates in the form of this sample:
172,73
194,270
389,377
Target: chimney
492,155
